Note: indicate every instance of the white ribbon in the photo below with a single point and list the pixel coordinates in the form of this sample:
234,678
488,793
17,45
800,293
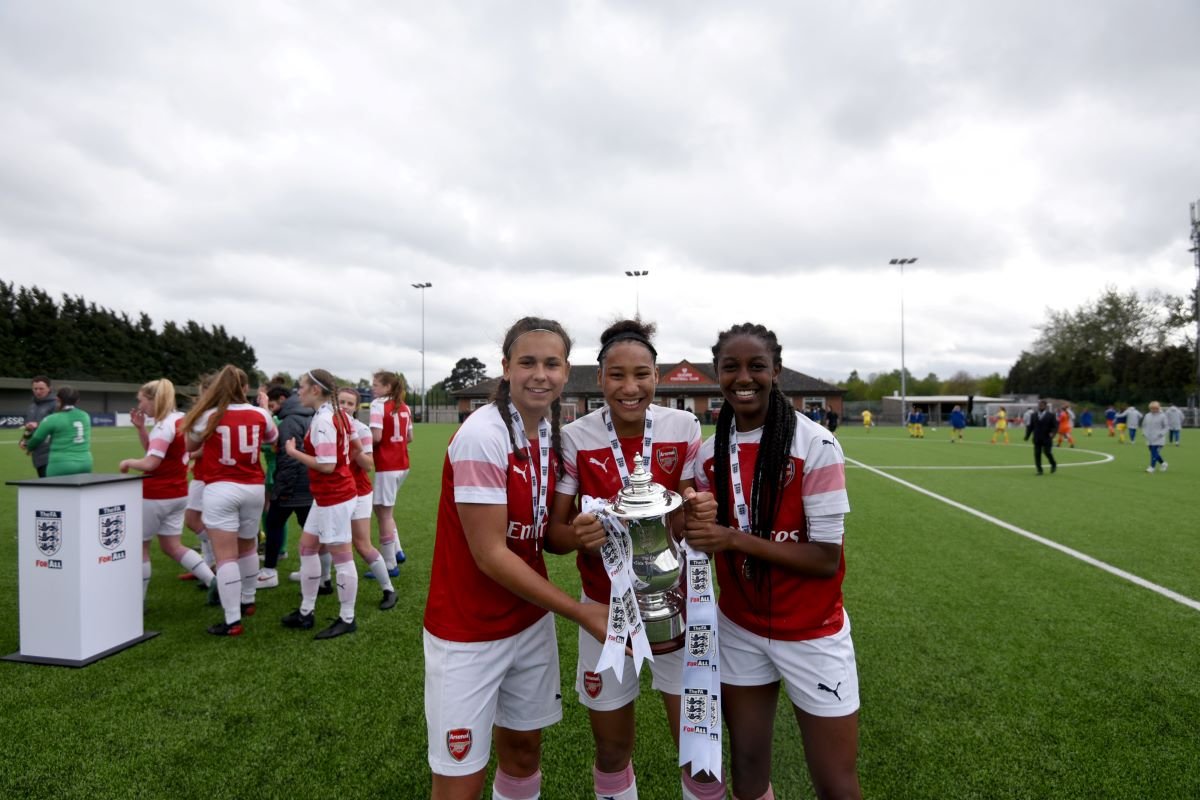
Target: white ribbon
614,442
624,618
700,703
539,488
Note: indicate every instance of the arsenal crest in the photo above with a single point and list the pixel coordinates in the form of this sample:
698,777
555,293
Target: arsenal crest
593,684
789,472
667,458
458,743
48,532
112,527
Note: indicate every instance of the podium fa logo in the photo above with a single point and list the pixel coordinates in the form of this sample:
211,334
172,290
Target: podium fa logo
112,527
48,531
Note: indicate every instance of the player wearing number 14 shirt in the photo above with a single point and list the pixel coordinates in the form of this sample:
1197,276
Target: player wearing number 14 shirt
232,432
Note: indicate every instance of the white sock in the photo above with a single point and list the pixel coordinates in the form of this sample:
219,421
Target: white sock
248,565
145,578
326,566
380,571
310,579
388,549
347,588
229,587
194,563
206,550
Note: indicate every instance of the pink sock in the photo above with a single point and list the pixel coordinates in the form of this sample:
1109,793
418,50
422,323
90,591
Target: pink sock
617,785
506,787
697,790
229,587
248,567
347,584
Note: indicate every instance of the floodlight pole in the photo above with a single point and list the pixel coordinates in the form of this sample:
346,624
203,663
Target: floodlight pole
422,287
1195,250
637,273
903,370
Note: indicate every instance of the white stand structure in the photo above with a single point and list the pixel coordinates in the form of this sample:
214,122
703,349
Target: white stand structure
80,568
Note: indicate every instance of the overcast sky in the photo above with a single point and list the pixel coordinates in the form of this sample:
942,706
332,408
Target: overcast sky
289,169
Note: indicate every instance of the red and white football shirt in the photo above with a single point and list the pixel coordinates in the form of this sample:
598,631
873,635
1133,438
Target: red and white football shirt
167,441
329,443
234,448
362,480
395,422
589,469
788,606
465,605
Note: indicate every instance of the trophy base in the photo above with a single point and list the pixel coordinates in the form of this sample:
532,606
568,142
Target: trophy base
665,635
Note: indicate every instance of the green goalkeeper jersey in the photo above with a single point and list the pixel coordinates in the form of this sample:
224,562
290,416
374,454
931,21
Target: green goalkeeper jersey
70,435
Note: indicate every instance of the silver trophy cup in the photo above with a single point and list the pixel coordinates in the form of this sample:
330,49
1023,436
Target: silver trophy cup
653,515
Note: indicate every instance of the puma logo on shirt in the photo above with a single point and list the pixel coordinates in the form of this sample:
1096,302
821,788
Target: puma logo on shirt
601,464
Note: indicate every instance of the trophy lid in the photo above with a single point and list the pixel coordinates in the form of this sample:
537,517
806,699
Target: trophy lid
644,498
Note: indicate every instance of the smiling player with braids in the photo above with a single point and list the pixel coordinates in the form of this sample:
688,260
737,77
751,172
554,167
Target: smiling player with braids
780,566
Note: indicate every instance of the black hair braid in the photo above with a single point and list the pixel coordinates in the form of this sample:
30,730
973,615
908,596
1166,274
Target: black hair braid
501,399
556,436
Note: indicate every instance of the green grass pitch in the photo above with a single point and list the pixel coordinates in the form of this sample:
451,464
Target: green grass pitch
992,666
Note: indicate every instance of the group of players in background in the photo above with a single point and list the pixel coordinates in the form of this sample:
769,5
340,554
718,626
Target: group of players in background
222,438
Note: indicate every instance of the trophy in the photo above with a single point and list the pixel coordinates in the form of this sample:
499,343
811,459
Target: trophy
651,514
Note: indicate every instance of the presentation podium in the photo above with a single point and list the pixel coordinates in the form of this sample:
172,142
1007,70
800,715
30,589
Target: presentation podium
80,568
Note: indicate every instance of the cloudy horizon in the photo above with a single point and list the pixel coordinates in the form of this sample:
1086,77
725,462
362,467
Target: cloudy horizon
290,171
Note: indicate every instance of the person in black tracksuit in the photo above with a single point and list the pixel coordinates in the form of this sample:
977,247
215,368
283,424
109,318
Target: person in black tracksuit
290,493
1042,427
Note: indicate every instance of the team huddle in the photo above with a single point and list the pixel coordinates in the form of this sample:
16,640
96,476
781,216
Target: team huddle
222,438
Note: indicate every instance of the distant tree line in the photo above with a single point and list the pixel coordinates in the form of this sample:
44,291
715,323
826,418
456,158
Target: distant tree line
74,339
1120,348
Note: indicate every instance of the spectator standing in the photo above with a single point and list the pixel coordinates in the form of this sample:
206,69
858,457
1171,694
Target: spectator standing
1042,428
42,406
1174,424
1133,419
1154,426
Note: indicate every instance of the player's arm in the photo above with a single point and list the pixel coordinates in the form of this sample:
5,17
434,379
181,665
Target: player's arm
486,530
147,463
817,559
40,433
569,531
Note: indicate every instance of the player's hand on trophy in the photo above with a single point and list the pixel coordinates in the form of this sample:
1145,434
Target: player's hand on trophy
589,533
701,506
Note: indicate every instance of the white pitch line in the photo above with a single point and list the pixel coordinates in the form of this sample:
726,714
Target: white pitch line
1084,557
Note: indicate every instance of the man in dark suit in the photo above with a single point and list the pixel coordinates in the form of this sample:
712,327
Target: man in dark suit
1042,428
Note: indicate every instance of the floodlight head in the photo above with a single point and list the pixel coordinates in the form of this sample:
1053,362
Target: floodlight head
894,261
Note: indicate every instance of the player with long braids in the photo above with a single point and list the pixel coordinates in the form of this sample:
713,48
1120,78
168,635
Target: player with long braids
165,488
360,520
491,654
329,447
780,490
391,431
668,440
232,431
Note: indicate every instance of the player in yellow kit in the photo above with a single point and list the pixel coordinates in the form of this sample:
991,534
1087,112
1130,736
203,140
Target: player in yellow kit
1001,425
866,418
